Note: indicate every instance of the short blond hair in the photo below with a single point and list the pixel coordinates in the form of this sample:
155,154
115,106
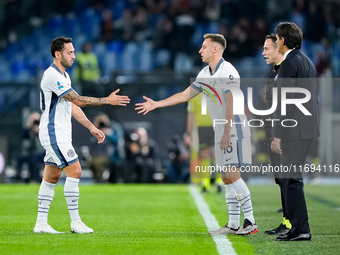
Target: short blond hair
217,38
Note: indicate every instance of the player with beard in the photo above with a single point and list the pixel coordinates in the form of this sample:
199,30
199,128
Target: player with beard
59,102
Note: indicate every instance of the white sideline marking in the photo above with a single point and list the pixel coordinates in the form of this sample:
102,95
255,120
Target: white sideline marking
224,246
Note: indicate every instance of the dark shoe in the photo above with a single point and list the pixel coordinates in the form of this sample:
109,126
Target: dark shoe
219,188
295,237
280,230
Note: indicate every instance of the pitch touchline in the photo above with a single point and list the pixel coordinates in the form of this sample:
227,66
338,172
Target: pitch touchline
224,246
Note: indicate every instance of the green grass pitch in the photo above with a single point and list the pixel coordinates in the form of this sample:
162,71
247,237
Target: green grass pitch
157,219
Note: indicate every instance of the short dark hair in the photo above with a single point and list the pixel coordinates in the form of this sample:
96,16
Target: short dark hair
58,44
273,38
217,38
291,33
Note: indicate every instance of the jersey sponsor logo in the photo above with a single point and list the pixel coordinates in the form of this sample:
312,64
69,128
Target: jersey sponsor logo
70,153
231,80
59,85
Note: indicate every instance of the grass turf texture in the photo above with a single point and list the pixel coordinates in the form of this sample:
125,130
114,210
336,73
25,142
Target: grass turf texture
323,204
157,219
127,219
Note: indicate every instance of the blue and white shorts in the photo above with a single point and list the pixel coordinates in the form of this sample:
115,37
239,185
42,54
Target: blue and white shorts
60,155
240,154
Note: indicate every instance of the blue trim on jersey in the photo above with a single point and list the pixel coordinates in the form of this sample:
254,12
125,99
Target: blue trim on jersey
195,87
72,161
60,156
43,106
61,166
227,91
51,164
238,127
239,152
218,65
50,125
56,68
66,92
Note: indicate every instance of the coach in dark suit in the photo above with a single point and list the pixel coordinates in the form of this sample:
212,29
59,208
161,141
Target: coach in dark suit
293,143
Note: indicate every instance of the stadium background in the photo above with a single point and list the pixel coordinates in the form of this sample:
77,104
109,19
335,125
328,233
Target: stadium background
158,57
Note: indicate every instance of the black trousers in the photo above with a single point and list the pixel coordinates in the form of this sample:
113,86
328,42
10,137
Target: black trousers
294,154
275,161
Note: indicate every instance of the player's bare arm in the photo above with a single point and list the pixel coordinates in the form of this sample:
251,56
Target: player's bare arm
112,99
80,116
229,116
176,99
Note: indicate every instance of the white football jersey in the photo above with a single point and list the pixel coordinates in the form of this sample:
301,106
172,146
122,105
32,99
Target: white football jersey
214,87
55,123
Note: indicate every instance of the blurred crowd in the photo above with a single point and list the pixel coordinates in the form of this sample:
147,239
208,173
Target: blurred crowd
174,28
123,157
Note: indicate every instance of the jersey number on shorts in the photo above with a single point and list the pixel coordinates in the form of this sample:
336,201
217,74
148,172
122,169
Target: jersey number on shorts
230,149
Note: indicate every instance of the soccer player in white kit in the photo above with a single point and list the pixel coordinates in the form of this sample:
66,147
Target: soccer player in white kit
59,102
232,142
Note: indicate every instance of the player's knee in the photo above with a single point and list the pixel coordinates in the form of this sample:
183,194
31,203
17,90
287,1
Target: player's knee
52,178
230,180
76,173
227,181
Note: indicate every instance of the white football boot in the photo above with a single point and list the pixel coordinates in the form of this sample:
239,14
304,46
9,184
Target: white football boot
224,231
42,227
79,227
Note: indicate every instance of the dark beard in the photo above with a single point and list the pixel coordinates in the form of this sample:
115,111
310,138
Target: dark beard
65,63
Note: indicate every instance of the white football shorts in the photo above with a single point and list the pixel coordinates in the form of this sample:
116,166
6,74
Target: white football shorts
60,155
238,155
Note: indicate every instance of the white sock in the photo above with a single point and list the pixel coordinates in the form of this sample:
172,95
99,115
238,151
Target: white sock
233,207
45,197
71,192
243,196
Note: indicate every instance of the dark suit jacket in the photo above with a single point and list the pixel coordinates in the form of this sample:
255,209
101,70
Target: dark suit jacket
297,70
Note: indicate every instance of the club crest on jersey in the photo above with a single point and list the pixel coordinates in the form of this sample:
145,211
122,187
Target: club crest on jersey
59,85
231,77
70,153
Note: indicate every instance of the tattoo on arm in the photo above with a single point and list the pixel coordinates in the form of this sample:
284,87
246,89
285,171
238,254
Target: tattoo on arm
84,101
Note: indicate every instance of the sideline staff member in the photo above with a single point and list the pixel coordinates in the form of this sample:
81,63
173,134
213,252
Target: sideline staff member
293,143
274,58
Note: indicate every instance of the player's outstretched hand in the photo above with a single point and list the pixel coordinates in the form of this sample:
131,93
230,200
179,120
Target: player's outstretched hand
98,134
146,107
114,99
